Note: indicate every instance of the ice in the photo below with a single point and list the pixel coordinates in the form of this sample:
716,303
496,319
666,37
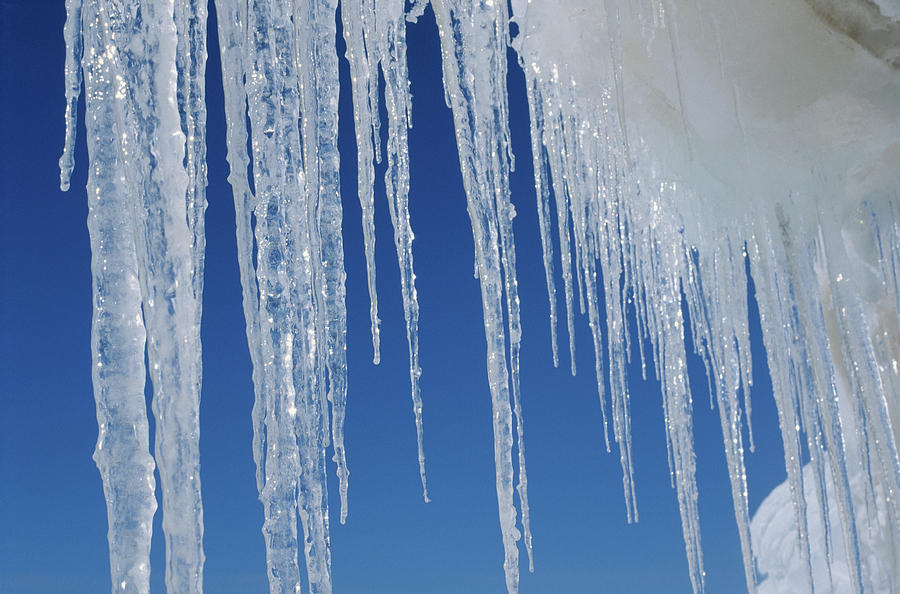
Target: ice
232,20
325,354
698,115
289,321
118,335
140,49
190,22
473,46
376,43
676,146
358,23
74,51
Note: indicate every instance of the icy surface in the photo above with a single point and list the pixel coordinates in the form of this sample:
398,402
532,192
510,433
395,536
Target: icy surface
676,144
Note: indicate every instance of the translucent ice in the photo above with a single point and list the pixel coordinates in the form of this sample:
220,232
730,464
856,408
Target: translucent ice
676,144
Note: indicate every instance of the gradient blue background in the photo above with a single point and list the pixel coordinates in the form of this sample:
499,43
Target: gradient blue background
52,514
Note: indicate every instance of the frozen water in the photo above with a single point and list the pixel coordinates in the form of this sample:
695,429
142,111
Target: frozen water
674,143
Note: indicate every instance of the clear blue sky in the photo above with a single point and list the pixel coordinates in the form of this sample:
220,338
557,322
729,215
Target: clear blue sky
52,514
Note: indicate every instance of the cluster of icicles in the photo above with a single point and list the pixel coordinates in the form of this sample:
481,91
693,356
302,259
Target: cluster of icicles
623,243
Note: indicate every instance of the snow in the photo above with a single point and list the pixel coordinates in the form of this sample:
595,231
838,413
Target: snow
679,142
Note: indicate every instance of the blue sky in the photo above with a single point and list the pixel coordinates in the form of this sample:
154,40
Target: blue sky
52,514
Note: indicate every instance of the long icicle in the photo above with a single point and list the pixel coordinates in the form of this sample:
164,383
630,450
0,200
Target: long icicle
358,18
316,63
231,16
273,102
390,48
118,336
376,42
153,148
478,34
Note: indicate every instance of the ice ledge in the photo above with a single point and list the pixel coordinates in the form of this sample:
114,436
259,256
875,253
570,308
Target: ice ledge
873,25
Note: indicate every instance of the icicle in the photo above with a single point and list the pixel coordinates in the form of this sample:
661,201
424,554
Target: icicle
661,257
190,63
152,147
357,17
316,63
273,100
376,39
476,88
780,333
505,214
390,46
231,20
542,190
122,452
74,51
782,321
717,303
877,446
562,213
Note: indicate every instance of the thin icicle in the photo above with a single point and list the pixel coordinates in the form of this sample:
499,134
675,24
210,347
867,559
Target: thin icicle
74,50
316,64
778,333
376,40
505,214
357,17
717,302
477,92
562,212
231,19
878,449
390,47
542,190
190,62
662,256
